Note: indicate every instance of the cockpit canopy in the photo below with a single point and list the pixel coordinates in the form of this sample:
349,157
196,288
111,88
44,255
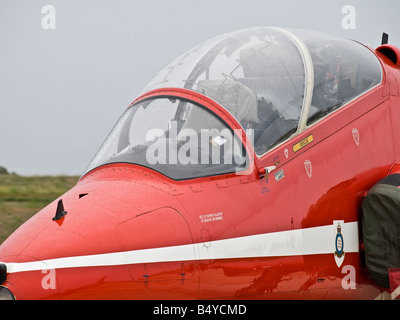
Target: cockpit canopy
269,78
275,82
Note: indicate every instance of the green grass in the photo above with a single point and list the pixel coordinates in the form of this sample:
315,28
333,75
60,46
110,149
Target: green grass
21,197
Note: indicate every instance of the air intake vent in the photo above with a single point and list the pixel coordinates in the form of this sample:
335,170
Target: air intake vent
390,52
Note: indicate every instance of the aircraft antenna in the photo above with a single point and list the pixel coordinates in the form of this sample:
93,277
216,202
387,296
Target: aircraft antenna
385,38
60,211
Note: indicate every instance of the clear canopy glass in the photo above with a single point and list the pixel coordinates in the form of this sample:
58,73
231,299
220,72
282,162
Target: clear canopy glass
343,70
275,82
256,74
175,137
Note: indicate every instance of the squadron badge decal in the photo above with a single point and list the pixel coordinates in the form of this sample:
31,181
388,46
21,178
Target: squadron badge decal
356,136
339,243
308,167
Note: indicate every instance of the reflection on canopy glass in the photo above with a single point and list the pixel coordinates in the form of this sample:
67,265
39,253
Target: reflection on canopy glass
343,70
259,76
275,82
256,74
175,137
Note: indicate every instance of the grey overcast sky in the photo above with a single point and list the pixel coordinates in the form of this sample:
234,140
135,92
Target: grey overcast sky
62,89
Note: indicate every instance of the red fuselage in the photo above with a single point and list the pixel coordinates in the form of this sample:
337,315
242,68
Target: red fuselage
292,231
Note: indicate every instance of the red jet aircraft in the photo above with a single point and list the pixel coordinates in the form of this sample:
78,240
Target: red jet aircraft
241,171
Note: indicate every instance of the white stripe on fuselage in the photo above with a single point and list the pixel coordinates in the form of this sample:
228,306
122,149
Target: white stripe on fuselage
309,241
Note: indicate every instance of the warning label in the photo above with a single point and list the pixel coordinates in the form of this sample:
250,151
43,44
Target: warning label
210,217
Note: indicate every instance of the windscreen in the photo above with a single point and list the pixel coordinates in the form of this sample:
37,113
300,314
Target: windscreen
178,138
